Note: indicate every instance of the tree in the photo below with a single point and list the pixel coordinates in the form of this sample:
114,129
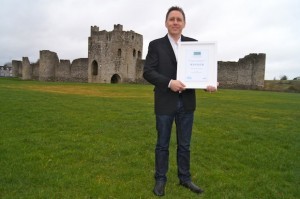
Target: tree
8,64
297,78
284,77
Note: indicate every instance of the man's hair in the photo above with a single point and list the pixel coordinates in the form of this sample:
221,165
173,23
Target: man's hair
177,9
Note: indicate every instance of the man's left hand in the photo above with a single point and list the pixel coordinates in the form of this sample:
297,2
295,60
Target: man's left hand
211,89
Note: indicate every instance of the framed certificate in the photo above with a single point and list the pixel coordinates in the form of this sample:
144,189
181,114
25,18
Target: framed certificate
197,64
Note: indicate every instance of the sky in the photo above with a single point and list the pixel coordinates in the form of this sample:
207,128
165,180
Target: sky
239,27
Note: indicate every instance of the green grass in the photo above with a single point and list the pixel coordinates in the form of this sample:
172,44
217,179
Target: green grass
73,140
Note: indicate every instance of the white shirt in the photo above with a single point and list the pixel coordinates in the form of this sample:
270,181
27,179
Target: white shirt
174,45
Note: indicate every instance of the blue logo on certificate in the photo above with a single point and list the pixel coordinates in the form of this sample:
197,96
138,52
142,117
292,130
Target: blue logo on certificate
197,52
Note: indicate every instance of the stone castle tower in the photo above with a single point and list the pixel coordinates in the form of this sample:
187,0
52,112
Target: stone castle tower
113,57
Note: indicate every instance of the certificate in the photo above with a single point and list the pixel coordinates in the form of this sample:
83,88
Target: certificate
197,64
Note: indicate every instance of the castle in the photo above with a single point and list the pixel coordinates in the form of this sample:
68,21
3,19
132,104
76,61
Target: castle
116,57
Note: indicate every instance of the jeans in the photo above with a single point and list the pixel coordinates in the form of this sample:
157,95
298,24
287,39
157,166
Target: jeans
184,123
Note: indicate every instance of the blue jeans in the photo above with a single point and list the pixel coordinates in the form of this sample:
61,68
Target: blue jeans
184,123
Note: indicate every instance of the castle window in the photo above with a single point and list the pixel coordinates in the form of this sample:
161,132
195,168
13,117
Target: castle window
119,52
94,68
139,54
132,37
134,52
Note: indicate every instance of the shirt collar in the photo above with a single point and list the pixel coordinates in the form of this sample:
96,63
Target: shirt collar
172,40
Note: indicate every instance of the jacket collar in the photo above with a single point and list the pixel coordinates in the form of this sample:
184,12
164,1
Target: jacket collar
169,48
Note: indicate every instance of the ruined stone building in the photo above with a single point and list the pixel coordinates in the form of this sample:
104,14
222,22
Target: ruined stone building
50,68
113,56
116,57
248,72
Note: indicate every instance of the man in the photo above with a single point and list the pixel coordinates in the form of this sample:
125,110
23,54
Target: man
172,102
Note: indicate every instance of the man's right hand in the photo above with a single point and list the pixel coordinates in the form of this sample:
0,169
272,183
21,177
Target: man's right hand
177,86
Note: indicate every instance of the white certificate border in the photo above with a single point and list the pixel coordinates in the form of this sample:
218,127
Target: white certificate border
212,63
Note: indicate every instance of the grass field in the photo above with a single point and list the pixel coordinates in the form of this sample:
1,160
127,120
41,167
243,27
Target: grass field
73,140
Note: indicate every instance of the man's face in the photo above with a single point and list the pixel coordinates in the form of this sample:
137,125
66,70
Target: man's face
175,23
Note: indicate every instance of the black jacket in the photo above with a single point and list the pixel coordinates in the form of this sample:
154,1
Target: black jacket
160,67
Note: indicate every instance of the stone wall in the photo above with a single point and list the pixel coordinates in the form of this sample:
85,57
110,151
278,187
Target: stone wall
63,71
35,70
248,72
50,68
16,68
139,72
79,70
26,69
48,63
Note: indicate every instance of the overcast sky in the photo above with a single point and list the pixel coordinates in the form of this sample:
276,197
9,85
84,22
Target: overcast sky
239,27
